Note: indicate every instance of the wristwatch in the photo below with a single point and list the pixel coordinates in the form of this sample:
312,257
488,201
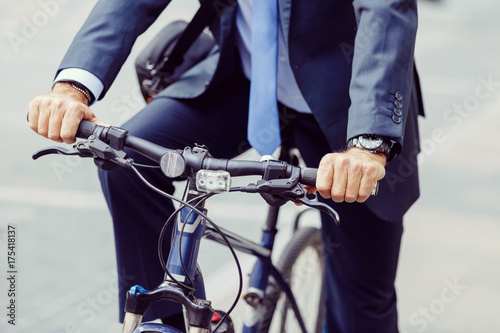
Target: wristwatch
373,144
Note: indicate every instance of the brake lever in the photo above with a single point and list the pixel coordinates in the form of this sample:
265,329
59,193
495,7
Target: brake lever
278,191
105,157
320,206
55,150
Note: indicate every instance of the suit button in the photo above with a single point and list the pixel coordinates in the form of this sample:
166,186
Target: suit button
398,104
398,112
399,96
396,119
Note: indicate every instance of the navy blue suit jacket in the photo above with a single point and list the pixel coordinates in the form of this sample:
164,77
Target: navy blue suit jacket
350,59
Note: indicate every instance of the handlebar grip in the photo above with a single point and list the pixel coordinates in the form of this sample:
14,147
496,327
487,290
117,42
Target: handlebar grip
308,176
85,129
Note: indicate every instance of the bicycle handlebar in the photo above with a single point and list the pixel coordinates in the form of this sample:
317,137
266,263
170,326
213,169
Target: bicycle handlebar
280,181
118,138
86,129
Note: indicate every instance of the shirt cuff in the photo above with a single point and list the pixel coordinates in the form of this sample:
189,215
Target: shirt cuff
84,77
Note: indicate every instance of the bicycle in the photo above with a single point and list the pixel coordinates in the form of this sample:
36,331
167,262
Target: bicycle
272,290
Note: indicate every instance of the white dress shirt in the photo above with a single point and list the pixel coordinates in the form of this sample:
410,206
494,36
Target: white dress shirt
288,92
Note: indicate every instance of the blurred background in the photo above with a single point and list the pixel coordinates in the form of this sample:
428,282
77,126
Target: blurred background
66,280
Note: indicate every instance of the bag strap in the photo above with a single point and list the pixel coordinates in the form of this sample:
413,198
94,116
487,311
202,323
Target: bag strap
205,14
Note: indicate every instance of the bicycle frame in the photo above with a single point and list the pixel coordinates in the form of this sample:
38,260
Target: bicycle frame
198,309
262,270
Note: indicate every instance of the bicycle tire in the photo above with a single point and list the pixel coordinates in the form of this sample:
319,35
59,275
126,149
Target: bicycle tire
156,328
277,315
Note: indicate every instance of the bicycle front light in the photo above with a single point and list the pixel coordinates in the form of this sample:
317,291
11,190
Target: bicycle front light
213,181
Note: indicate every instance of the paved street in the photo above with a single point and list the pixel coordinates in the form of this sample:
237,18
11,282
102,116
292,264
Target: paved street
66,280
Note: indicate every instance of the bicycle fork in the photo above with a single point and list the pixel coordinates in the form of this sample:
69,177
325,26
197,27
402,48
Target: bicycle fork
189,230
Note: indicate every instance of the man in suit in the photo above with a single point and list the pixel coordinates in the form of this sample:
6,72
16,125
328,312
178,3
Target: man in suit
348,98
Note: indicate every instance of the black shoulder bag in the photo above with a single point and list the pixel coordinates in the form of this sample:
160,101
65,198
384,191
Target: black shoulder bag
175,49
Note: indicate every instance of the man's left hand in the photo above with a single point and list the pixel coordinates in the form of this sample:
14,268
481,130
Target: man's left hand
351,175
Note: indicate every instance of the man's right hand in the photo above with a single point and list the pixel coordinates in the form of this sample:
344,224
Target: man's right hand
57,115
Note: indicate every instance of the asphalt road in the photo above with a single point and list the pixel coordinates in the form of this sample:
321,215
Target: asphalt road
65,267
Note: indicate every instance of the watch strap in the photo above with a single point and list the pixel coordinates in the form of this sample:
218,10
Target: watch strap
385,147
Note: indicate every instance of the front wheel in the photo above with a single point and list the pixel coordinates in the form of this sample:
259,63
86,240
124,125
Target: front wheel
155,328
301,264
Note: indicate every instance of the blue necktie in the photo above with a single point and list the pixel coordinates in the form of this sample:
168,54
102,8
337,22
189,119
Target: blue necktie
263,119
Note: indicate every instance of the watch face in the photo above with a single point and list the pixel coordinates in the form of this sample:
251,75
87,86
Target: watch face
370,142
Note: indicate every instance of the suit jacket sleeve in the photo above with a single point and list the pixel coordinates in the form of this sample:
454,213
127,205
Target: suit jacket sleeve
382,69
104,42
